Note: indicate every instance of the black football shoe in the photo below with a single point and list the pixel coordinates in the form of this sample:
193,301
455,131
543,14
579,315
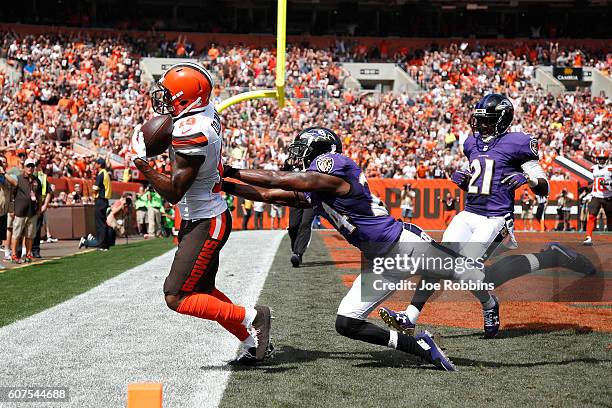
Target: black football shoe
296,260
247,356
570,259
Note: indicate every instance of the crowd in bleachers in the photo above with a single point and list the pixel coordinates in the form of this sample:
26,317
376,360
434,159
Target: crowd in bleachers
310,73
71,87
76,87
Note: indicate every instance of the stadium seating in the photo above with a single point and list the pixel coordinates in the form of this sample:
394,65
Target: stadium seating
87,88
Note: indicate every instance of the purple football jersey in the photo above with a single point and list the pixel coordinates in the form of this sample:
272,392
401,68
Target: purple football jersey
359,216
490,164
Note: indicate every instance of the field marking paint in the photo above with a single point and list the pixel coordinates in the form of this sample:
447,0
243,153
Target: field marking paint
121,332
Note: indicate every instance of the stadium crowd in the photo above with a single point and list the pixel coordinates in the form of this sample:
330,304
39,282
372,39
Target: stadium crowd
88,89
71,87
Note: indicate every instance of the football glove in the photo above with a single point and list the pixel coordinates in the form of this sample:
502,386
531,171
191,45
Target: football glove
461,178
515,180
229,171
138,148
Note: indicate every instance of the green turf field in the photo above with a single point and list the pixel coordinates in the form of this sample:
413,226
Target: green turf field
28,290
316,367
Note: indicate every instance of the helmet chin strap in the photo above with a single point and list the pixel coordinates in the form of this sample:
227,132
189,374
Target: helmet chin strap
190,107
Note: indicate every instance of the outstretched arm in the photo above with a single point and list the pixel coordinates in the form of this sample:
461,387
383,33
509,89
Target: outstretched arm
536,177
290,181
266,195
173,187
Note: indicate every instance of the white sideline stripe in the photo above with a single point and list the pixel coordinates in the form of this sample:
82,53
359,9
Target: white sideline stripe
122,332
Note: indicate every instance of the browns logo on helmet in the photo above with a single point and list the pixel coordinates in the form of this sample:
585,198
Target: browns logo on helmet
602,156
182,88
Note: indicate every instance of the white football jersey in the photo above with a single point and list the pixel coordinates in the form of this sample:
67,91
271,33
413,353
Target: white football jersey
200,134
602,181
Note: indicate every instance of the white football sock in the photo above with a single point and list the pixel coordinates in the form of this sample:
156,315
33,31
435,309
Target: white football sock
489,303
534,264
249,342
413,313
249,316
392,339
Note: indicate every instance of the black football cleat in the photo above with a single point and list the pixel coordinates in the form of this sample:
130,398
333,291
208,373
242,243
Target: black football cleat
570,259
262,325
247,356
296,260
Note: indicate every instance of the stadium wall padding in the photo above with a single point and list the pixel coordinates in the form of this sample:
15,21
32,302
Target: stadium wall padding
66,184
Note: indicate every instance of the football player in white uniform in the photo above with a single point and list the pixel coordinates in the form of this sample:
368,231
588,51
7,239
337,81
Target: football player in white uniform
500,162
601,196
195,184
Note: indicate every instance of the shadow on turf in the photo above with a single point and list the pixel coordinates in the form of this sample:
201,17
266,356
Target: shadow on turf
284,360
284,357
529,329
466,362
312,264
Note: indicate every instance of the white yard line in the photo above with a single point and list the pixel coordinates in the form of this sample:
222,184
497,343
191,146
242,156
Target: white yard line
122,332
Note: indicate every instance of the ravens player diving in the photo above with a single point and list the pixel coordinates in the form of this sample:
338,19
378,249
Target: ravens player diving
336,188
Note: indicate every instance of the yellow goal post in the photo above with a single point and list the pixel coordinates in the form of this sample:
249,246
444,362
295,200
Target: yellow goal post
281,44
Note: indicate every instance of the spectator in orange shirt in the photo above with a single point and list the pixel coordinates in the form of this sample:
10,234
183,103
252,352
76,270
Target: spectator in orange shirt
213,53
422,170
104,129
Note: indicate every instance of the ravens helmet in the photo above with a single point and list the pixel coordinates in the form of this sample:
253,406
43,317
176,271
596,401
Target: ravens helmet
311,143
492,116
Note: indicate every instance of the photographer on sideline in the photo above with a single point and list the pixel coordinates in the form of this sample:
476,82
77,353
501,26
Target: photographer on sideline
564,208
118,217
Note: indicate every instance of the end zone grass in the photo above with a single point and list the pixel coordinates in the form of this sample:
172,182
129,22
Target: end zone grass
314,366
28,290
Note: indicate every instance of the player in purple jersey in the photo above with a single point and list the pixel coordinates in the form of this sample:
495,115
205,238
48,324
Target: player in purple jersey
337,190
499,163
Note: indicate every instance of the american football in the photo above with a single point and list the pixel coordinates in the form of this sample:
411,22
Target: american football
157,133
307,203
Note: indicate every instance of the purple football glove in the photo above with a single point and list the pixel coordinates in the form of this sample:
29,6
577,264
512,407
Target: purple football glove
461,178
515,180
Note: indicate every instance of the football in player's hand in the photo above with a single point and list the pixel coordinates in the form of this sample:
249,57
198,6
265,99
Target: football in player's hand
157,134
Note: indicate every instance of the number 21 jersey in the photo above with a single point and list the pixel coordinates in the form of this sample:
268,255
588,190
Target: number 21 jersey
490,164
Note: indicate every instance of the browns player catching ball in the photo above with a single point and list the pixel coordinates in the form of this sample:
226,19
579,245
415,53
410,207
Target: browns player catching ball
195,183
